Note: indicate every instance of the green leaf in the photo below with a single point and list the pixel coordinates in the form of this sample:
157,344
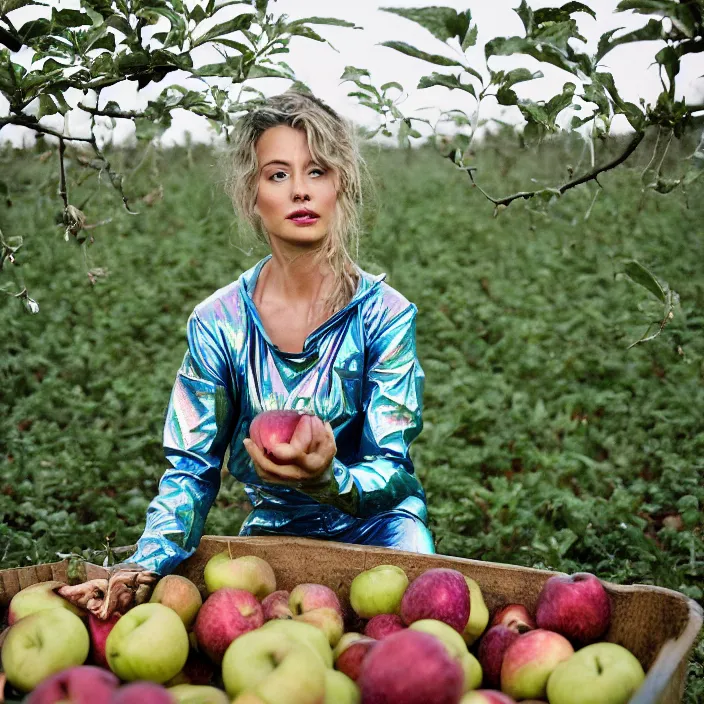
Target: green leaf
120,24
236,24
668,58
47,106
470,38
352,73
636,271
7,6
650,32
391,84
324,20
447,81
418,54
70,18
442,22
558,103
560,14
34,29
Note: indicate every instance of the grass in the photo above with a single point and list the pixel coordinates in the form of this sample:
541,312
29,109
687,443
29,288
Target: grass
546,442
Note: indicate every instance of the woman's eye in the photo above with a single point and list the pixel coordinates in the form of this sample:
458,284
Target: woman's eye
278,173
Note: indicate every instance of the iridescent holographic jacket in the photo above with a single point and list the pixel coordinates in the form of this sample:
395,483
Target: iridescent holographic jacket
358,370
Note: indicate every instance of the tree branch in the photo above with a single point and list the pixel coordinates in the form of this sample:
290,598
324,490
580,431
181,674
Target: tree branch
33,125
122,114
590,176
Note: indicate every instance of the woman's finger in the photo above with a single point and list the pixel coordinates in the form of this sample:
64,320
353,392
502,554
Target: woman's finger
303,434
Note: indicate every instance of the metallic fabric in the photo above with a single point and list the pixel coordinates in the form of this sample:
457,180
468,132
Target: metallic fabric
359,370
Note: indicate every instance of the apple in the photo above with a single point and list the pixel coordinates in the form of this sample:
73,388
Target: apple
307,597
305,634
487,696
84,684
347,640
149,642
350,658
457,648
439,593
198,694
411,667
492,648
277,668
276,605
42,644
142,693
99,631
38,597
340,689
226,615
270,428
529,662
378,591
515,617
248,572
478,613
576,606
179,594
383,625
328,620
602,673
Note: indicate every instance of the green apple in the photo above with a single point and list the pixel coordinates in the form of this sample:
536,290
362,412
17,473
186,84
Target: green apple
42,644
456,647
378,591
303,633
327,620
198,694
179,594
149,642
602,673
478,613
274,667
248,572
340,689
38,597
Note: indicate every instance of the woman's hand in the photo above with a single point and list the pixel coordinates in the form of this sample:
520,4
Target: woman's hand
128,585
308,456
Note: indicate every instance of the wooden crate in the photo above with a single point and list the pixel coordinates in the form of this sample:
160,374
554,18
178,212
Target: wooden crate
659,626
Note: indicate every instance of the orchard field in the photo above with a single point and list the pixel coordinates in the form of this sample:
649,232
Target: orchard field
546,442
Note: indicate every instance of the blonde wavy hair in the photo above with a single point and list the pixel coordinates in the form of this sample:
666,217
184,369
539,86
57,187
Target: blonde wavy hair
333,144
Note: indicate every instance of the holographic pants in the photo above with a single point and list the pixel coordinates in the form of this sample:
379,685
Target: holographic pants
392,529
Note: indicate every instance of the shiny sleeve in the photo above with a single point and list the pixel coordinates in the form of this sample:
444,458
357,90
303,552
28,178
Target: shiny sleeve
384,476
197,429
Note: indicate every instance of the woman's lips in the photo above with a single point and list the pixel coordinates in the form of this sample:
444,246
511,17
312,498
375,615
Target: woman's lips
304,219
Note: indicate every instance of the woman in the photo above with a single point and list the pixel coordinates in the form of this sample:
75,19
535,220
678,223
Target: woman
304,329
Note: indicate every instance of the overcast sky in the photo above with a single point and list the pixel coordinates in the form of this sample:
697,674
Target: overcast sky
320,67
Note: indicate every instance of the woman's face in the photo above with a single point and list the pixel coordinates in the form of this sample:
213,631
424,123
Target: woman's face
289,180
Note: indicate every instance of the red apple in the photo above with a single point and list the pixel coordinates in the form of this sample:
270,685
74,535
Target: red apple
530,660
99,631
84,684
515,617
383,625
307,597
492,648
576,606
439,593
487,696
276,605
270,428
411,667
225,615
350,652
142,693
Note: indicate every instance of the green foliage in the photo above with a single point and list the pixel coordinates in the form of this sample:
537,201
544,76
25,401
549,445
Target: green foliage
546,442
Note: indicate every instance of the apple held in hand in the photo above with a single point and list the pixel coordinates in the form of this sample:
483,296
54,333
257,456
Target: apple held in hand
38,597
383,625
410,667
378,591
84,684
270,428
530,660
99,631
576,606
42,644
278,669
225,616
149,642
198,694
439,593
492,648
248,572
602,673
179,594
